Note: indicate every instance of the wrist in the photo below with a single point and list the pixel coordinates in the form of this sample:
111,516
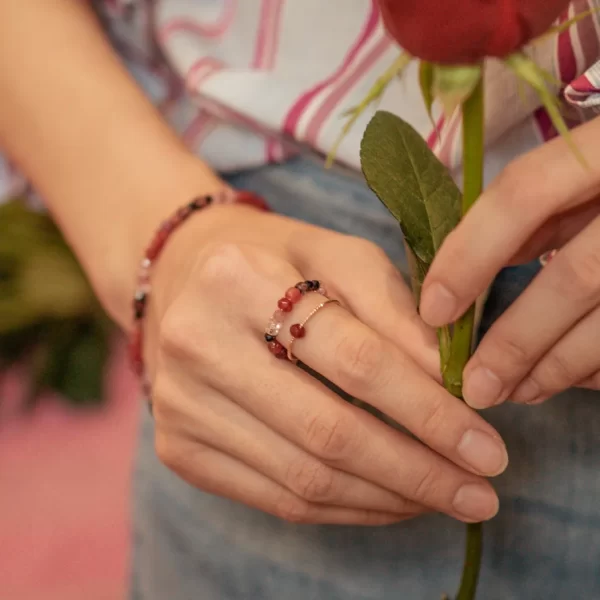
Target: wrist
146,202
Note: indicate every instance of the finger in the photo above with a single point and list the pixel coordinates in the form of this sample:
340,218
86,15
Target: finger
573,359
349,439
542,183
219,474
591,383
556,232
563,292
361,275
219,423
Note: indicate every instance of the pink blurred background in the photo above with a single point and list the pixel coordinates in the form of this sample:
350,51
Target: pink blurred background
64,493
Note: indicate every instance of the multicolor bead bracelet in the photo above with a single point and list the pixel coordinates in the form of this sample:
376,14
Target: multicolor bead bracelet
153,252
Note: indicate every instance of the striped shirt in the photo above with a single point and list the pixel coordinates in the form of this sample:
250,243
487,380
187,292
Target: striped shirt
249,82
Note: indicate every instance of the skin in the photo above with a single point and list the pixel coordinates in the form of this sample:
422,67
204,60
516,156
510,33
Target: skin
230,418
547,341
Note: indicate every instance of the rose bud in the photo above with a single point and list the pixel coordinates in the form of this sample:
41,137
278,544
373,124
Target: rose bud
466,31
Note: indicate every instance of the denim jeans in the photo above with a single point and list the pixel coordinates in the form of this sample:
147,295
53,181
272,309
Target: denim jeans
544,544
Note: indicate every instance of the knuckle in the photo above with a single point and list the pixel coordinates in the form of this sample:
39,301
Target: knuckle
311,480
330,437
362,247
360,362
174,334
222,266
515,187
166,410
579,276
165,451
593,382
183,336
163,411
292,509
426,485
505,349
556,372
434,418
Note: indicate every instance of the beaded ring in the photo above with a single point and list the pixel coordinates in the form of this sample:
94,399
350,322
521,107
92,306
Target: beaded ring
153,252
286,305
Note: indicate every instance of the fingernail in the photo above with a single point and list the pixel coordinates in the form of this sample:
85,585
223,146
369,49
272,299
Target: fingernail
485,454
476,502
438,305
528,391
482,388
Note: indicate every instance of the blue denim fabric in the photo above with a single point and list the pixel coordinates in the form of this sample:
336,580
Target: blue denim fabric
545,544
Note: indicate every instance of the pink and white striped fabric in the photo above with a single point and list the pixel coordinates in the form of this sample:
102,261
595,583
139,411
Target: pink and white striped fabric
248,82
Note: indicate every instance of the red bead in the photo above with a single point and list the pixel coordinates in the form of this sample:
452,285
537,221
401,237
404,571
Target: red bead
244,197
285,305
297,330
293,295
157,244
275,348
183,213
135,351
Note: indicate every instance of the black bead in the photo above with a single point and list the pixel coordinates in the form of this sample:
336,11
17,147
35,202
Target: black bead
309,285
208,199
316,284
269,338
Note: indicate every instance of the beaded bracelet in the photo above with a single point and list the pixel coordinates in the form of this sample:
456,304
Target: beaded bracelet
152,253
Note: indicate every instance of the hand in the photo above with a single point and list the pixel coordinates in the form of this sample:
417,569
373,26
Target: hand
233,420
547,340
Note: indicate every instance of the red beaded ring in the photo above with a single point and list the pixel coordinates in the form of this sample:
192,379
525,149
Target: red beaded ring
286,305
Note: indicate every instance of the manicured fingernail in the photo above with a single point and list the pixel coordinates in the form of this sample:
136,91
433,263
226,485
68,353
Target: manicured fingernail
529,390
482,388
484,453
476,502
438,305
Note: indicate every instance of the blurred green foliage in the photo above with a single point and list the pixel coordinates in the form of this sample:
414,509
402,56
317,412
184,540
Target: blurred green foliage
50,320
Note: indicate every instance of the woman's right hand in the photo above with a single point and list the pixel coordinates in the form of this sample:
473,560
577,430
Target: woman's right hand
233,420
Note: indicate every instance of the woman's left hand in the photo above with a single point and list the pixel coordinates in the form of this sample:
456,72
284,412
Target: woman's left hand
549,339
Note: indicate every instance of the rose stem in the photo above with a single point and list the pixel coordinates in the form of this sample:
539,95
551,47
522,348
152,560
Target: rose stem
462,338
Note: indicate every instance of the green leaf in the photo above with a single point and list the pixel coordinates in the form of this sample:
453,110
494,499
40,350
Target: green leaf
373,95
412,183
526,69
426,84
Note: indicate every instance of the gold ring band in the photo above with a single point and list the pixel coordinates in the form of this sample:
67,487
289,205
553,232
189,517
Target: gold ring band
310,315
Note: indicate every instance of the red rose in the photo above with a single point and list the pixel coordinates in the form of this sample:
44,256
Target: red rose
465,31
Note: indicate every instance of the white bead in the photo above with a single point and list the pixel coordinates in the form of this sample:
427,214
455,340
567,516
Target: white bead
273,328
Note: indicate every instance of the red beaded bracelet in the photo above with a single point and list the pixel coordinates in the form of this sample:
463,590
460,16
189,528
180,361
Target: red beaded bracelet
152,253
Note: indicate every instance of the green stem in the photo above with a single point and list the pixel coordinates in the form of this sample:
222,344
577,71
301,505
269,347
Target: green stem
473,151
470,575
462,335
